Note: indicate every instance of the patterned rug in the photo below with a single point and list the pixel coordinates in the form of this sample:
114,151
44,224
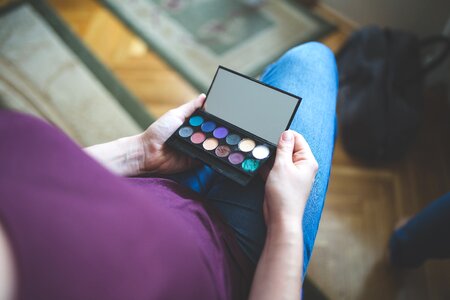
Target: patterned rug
47,72
195,36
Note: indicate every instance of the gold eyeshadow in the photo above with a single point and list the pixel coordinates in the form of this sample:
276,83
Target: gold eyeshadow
246,145
210,144
229,149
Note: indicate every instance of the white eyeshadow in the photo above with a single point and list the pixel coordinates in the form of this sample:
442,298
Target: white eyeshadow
261,152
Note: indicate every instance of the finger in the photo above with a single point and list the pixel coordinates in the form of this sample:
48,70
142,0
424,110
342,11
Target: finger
301,146
285,147
188,108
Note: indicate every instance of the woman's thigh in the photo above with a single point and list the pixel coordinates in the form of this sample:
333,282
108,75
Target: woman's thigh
308,71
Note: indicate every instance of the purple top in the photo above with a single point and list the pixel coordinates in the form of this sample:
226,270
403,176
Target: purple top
80,232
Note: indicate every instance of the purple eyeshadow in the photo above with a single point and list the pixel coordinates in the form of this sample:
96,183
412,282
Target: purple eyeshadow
220,132
236,158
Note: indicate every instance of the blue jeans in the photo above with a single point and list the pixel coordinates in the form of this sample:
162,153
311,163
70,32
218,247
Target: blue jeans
310,72
424,236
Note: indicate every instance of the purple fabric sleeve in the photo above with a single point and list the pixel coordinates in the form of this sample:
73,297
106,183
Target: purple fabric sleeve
80,232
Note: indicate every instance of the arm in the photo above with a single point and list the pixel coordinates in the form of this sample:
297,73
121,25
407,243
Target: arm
7,267
147,152
279,271
124,156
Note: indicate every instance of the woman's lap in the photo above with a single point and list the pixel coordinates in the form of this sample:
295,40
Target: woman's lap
308,71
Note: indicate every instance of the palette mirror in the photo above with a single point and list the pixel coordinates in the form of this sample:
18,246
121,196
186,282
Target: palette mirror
250,105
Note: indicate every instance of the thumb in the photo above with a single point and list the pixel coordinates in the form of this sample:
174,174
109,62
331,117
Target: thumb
188,108
285,147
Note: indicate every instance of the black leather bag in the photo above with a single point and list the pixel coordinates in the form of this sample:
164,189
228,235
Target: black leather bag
381,91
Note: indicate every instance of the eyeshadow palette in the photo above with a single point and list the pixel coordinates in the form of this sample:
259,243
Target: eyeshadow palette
227,149
237,129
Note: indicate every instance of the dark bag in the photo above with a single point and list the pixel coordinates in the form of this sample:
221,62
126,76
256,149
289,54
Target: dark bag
381,91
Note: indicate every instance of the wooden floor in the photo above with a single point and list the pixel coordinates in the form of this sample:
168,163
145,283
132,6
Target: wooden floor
363,202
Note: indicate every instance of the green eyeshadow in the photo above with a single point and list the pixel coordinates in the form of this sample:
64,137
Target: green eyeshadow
250,165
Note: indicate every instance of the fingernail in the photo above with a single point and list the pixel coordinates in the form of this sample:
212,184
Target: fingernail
287,136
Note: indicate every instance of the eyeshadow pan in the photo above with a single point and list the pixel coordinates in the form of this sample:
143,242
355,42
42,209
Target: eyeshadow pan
185,131
220,132
223,151
246,145
250,165
236,158
208,126
198,138
196,120
210,144
261,152
233,139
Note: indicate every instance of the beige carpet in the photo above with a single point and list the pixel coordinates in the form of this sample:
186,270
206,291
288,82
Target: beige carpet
42,76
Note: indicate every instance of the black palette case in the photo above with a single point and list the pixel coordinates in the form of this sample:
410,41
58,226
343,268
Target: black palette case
223,136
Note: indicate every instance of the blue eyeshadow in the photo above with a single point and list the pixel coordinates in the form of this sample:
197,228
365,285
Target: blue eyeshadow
233,139
208,126
195,120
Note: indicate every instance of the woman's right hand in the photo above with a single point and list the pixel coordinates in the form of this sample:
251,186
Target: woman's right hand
289,181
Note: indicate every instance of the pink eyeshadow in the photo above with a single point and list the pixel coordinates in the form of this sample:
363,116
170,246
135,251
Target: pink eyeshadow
198,138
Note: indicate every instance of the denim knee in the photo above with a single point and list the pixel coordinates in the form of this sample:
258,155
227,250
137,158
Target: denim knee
308,53
312,56
311,62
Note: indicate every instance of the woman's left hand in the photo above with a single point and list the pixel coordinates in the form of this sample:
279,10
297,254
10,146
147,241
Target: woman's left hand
158,157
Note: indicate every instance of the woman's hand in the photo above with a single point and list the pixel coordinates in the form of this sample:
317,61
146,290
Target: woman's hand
158,158
289,182
279,271
147,152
